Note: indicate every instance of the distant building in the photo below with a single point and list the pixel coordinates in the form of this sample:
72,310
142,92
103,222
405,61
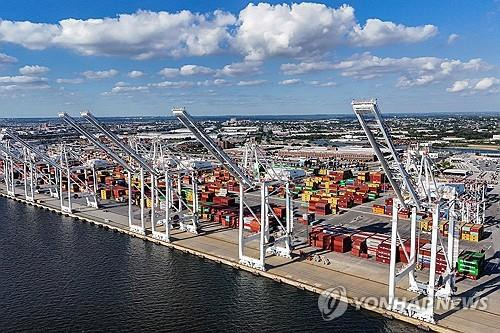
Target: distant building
348,154
457,172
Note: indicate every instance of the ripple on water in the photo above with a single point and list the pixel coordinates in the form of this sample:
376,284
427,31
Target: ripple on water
61,275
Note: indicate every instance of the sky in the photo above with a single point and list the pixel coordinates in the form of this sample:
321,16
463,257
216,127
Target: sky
141,58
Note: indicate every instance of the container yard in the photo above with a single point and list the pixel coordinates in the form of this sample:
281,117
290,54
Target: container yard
304,226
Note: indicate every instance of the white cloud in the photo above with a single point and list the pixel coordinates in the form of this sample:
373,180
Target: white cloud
22,82
17,87
221,82
22,79
135,74
70,81
33,70
300,29
262,30
216,82
458,86
309,29
35,36
452,38
376,32
289,82
169,72
186,70
413,71
172,84
97,75
141,35
195,70
251,83
322,84
123,88
7,59
240,68
486,83
306,67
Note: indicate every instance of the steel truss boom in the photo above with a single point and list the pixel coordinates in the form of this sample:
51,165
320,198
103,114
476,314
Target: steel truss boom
70,121
33,149
113,137
362,108
247,183
434,205
211,146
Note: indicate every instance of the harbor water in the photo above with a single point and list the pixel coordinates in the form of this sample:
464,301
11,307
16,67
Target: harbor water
58,274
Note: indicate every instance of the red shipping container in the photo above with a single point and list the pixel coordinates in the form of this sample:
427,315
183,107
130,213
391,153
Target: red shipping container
341,243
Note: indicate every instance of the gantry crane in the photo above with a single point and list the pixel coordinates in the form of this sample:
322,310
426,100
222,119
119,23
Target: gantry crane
129,170
246,184
30,150
188,222
8,168
401,182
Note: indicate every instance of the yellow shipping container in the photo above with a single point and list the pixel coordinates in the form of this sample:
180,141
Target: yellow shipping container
104,195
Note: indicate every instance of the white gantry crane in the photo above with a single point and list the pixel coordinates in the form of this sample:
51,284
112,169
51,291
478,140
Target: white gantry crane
188,222
9,166
137,164
417,197
70,121
280,245
30,154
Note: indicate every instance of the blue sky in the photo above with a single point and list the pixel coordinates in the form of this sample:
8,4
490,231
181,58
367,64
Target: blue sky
233,57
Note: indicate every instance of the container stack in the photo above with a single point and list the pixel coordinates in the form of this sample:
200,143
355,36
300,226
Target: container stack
341,243
470,264
384,252
339,188
373,242
359,248
424,258
322,208
472,232
378,209
407,247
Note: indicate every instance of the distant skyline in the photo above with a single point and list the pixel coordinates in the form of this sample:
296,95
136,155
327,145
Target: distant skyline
140,58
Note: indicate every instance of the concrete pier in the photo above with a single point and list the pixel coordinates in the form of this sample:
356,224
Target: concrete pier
360,277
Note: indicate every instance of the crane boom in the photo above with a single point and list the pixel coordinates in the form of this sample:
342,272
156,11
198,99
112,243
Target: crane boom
188,121
361,108
33,149
10,154
70,121
113,137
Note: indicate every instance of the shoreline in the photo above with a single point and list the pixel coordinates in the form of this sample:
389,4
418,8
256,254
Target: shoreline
298,283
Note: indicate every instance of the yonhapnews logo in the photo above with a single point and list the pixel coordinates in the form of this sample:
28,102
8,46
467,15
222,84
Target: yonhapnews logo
330,303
